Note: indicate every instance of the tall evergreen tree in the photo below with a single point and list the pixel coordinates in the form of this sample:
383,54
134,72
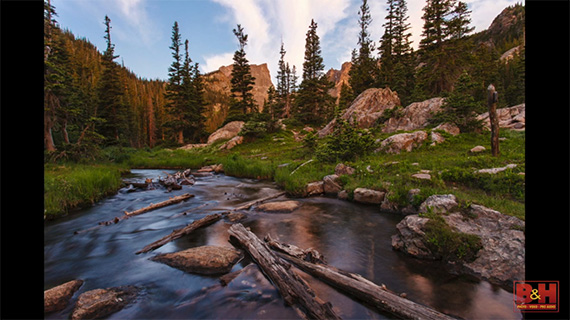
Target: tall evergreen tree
313,103
396,53
242,81
283,91
178,74
110,93
443,46
364,70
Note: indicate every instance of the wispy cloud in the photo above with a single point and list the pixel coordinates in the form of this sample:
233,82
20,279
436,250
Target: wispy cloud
138,24
267,23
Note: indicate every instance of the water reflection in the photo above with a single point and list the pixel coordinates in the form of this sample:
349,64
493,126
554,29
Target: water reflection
352,237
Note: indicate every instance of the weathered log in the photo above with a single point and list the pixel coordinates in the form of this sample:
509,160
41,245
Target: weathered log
292,288
256,202
159,205
206,221
363,289
310,254
139,185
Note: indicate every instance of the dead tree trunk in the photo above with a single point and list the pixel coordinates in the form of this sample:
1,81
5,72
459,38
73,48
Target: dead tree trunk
492,98
365,290
159,205
292,288
206,221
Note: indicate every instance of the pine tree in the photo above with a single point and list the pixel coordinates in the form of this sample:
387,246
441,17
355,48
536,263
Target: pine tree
283,91
396,53
51,101
443,44
460,108
178,75
111,106
313,103
198,105
242,81
364,70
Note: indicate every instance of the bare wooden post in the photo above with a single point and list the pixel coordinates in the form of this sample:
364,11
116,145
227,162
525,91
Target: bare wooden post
492,98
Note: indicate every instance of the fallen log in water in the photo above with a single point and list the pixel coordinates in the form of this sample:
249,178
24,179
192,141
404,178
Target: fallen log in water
206,221
292,288
159,205
361,288
256,202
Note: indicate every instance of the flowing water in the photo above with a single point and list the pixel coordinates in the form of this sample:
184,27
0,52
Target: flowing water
352,237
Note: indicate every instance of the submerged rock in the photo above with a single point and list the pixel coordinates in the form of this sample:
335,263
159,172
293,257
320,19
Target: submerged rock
279,206
57,298
100,303
202,260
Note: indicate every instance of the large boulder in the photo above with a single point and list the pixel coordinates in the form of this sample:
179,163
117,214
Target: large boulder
226,132
202,260
501,257
364,195
403,142
56,299
415,116
366,109
100,303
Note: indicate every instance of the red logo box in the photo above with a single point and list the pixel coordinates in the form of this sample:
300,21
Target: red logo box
536,296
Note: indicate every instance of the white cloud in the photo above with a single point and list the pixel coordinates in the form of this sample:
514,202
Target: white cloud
214,62
267,23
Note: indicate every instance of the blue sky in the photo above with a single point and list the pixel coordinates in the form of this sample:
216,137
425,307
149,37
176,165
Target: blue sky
141,29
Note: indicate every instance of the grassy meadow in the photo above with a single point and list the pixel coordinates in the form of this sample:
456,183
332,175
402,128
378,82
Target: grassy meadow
278,157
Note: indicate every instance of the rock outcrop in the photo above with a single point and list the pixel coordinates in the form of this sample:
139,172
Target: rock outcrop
100,303
501,257
226,132
202,260
338,77
366,109
217,87
57,298
509,118
414,116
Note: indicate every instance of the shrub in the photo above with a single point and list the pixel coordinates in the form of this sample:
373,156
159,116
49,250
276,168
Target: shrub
345,144
447,244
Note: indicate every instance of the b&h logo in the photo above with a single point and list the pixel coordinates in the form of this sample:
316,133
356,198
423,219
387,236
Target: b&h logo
536,296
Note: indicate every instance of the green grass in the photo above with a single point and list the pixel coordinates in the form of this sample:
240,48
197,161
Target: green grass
275,156
73,185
